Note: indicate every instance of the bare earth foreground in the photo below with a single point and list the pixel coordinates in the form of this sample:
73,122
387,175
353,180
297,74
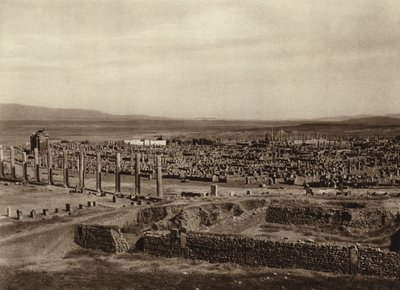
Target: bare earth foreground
40,253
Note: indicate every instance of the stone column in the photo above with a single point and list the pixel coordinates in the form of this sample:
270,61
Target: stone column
98,172
12,162
117,172
50,166
65,168
1,161
214,190
24,167
159,177
81,171
137,173
36,164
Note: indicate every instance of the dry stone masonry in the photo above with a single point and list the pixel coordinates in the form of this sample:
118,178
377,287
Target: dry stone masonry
100,237
218,248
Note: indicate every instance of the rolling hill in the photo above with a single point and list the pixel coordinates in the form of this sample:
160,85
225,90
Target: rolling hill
23,112
38,113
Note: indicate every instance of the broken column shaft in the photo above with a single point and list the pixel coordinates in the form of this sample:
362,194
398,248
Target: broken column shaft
98,172
12,162
65,168
24,167
81,171
159,177
36,164
50,166
137,173
117,172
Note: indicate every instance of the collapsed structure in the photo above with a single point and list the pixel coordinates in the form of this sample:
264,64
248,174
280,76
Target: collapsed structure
229,232
39,139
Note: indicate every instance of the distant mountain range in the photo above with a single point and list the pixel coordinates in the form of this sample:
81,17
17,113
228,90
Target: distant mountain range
24,112
374,120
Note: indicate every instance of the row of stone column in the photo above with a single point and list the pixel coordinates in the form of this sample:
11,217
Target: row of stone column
81,170
13,174
137,174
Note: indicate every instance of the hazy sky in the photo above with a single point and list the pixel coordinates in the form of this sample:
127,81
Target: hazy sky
267,59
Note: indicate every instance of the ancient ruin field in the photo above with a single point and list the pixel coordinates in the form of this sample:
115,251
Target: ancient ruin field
41,253
199,145
234,215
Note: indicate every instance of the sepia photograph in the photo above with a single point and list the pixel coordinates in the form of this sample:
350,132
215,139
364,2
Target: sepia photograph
199,144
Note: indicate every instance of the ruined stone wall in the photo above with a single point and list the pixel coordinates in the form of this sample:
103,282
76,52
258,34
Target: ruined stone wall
243,250
100,237
249,251
264,252
200,216
371,218
301,215
375,262
238,224
357,218
233,178
162,243
157,213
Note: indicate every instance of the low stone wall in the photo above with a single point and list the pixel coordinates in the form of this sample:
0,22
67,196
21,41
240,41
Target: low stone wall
371,218
100,237
303,215
375,262
238,179
162,244
276,254
264,252
248,251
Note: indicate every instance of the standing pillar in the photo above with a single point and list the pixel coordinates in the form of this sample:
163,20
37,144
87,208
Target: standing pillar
81,172
159,177
1,161
24,167
117,172
214,190
65,168
98,172
137,173
37,167
50,166
12,162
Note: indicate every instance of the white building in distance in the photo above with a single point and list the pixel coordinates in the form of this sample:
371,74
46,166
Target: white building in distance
146,142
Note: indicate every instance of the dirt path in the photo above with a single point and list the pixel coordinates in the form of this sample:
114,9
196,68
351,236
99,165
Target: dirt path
48,241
